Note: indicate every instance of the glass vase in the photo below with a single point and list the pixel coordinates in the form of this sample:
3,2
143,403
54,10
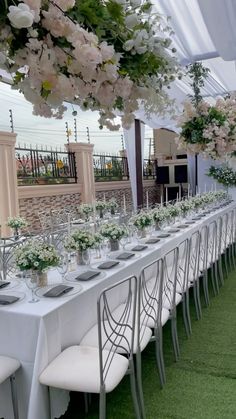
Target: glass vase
83,257
114,245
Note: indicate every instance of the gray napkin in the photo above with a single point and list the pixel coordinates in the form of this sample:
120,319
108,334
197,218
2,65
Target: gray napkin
57,291
7,299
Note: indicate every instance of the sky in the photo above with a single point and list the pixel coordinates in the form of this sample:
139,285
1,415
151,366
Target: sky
35,130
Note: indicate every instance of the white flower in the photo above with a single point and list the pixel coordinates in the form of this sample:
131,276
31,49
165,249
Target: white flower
128,45
131,21
21,16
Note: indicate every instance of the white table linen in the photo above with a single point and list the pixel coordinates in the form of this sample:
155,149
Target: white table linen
36,333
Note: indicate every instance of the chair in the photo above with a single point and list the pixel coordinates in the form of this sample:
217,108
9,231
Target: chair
212,254
8,368
185,280
202,262
92,369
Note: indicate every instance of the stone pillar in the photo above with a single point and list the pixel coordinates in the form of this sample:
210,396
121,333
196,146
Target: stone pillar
9,205
84,167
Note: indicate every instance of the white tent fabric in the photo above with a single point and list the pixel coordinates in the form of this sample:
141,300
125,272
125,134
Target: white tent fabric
220,22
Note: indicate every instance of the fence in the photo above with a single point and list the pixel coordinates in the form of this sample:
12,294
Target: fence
36,167
111,168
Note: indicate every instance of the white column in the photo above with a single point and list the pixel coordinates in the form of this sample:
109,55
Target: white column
9,205
84,167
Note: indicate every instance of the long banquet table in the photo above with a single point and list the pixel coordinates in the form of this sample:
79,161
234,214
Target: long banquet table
36,333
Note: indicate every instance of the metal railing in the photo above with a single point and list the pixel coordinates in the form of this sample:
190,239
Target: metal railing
110,168
149,169
36,167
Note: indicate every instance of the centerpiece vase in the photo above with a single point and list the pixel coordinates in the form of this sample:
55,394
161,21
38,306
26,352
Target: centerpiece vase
112,211
16,233
114,245
82,256
142,233
101,213
157,226
41,277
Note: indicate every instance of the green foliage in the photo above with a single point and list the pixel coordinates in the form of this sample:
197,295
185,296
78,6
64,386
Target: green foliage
198,74
224,175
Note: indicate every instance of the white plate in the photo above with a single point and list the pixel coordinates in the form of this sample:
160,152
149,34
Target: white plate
19,294
71,276
41,291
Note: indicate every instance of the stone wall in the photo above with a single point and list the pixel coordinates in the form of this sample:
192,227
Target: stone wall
45,199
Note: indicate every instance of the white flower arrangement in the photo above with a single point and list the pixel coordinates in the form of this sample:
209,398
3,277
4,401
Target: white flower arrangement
142,220
86,209
185,205
17,222
102,55
113,231
160,214
79,240
112,204
36,256
173,210
100,205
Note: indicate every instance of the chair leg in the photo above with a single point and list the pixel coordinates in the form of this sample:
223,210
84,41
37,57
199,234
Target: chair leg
140,383
160,357
215,275
134,392
102,404
221,275
198,298
226,264
86,403
184,311
14,397
195,300
213,280
175,337
188,313
205,287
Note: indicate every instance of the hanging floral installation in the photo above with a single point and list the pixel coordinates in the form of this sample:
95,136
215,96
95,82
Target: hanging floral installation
107,55
205,129
224,175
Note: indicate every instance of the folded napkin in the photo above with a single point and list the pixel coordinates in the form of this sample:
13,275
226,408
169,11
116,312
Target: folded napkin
108,265
4,284
58,290
8,299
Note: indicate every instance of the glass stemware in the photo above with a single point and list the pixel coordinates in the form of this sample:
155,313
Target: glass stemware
31,280
63,264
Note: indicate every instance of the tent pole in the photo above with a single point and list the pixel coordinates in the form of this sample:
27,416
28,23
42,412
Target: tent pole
139,165
196,173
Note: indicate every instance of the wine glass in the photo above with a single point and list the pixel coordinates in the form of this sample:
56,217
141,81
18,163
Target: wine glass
86,257
63,264
31,281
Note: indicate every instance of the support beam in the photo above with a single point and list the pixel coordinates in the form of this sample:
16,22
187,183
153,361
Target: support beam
139,163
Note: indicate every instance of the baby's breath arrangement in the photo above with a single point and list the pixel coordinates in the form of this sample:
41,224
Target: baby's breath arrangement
79,240
113,231
143,220
160,214
86,209
17,222
36,256
100,205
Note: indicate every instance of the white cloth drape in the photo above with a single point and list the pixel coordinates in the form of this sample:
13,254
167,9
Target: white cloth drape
220,17
129,136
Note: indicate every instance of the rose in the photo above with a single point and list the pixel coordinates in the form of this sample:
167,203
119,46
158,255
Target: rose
21,16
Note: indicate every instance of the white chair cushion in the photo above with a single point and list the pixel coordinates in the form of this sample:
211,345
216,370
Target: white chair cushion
8,366
91,337
167,304
77,369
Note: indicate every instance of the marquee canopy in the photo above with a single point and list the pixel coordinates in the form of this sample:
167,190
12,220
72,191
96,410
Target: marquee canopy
205,31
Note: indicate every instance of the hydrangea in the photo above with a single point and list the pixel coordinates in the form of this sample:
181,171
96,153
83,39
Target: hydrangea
112,204
113,231
224,175
36,256
100,205
85,209
79,240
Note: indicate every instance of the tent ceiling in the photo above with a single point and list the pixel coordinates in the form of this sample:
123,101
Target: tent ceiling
205,30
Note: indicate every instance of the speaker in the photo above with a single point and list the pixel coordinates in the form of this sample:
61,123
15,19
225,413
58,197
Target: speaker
163,174
181,173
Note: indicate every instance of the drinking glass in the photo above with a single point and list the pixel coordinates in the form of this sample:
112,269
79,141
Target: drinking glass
63,264
31,281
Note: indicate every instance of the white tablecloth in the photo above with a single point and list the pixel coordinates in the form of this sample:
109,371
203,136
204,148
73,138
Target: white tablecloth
36,333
